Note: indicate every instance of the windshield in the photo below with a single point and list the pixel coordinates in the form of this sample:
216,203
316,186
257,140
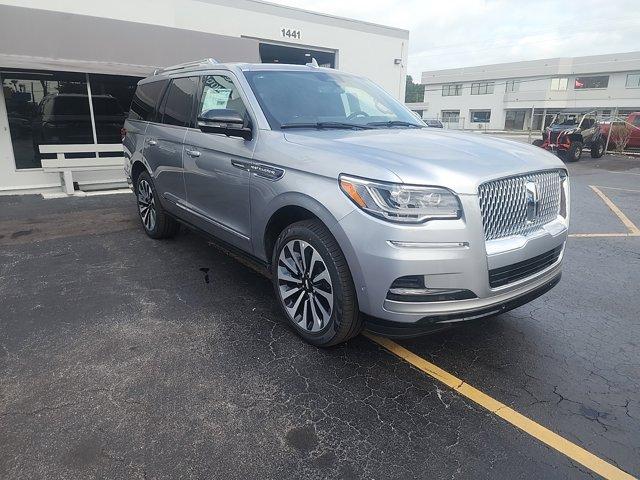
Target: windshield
309,98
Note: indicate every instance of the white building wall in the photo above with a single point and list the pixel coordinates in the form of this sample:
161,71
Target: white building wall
361,48
364,49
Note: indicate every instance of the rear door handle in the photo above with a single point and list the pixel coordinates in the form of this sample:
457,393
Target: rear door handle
153,142
192,153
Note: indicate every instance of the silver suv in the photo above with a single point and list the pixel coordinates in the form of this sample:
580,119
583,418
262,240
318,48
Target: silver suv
362,214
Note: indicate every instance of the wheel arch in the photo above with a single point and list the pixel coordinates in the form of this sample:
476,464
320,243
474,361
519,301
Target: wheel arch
292,207
136,169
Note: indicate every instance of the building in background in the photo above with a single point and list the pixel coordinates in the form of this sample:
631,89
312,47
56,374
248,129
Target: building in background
68,69
505,96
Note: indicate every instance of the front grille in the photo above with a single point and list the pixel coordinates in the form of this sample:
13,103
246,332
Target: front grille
511,273
509,208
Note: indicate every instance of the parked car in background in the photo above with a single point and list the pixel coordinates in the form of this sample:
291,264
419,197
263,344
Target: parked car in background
633,120
569,134
434,123
361,213
65,118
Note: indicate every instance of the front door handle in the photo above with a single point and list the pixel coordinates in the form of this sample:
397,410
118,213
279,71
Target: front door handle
241,165
153,142
192,153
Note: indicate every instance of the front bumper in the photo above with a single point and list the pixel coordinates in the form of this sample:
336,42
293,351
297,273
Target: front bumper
451,254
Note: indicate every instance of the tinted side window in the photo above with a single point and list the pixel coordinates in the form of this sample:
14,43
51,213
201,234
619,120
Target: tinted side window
178,103
220,92
146,99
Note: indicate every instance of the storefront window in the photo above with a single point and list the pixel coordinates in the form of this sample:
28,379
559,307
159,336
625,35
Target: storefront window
45,108
111,96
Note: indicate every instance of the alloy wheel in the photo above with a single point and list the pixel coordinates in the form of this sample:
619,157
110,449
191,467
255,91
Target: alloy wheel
146,205
305,285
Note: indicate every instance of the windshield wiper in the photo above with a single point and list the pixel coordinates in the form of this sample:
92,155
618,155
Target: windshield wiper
394,123
321,125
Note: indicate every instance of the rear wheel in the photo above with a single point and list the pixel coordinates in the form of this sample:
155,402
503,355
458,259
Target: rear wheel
597,149
575,152
538,142
313,284
155,221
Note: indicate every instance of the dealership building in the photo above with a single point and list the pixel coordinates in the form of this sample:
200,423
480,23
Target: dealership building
520,95
69,69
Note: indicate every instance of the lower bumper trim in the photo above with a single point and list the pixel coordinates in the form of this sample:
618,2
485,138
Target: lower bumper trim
434,323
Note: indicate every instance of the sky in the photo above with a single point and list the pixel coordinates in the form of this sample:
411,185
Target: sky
462,33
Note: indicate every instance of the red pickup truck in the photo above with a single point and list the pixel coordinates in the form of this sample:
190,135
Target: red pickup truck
632,120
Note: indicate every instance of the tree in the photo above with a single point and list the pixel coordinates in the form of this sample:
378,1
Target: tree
620,135
414,92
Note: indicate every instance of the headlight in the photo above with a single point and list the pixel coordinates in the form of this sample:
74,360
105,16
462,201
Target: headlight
401,203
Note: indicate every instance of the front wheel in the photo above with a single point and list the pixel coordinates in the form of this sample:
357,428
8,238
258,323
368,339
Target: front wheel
313,284
538,142
575,152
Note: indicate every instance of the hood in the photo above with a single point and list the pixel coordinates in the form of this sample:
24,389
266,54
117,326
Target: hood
456,160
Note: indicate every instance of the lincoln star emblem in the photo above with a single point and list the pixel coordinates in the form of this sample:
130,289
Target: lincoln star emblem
533,201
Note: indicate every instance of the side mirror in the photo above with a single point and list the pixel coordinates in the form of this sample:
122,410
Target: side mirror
225,121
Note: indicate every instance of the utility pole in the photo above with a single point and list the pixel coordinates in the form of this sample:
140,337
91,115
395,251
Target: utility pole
613,117
533,109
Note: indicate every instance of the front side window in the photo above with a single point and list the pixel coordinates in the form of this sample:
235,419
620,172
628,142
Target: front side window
559,84
178,102
219,92
482,88
584,83
452,90
312,97
480,116
633,80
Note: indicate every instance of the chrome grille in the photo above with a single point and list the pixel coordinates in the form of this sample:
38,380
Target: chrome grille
504,204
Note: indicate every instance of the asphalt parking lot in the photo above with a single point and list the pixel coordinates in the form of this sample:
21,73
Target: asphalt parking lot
124,357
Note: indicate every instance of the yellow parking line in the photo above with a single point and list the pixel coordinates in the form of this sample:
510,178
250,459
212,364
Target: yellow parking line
555,441
612,206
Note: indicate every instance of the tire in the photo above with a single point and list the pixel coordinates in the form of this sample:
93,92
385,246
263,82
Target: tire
155,221
597,149
574,153
316,296
538,142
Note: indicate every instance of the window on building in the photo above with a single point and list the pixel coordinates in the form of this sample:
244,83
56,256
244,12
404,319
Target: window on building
146,99
482,88
177,105
450,116
512,86
480,116
453,89
45,108
633,80
111,98
583,83
559,84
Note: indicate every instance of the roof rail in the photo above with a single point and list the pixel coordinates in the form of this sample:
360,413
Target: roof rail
181,66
